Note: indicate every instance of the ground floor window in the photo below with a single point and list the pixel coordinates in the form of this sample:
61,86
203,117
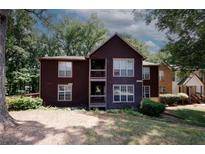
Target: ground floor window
65,92
146,91
162,89
123,93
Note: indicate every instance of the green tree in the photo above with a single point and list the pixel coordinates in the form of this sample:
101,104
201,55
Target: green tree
140,46
11,24
185,30
78,38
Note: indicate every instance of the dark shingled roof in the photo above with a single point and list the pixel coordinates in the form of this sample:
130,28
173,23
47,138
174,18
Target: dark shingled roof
63,58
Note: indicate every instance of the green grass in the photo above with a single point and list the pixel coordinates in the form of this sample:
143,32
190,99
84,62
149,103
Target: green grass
194,117
117,127
140,129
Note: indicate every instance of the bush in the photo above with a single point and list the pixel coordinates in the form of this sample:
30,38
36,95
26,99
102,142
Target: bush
23,103
152,108
173,99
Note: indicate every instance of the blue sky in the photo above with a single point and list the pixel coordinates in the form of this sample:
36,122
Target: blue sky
121,21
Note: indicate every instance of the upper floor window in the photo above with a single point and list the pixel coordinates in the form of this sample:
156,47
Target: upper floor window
161,75
146,73
64,69
123,67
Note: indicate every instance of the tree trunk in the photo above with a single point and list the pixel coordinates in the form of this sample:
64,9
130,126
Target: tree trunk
5,119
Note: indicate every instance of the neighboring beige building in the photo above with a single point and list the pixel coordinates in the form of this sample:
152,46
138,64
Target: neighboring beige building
191,85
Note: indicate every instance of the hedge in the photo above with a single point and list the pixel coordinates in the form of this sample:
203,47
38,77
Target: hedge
23,103
152,108
174,99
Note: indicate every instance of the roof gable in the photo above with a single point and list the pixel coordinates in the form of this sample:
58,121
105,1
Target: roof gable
192,80
116,35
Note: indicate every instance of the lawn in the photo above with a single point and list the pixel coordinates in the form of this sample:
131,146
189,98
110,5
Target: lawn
192,114
60,126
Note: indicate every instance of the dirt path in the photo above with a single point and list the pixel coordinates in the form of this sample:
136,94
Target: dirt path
46,127
59,126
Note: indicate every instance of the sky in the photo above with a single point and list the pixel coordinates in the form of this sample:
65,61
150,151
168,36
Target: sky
121,21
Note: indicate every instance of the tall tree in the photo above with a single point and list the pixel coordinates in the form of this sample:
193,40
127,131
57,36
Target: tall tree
78,38
140,46
185,30
5,119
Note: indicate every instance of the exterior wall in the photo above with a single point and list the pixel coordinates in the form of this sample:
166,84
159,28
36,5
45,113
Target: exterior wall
167,82
175,87
195,82
201,75
116,48
153,82
49,83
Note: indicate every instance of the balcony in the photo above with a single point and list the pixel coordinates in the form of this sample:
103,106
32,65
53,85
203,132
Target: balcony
97,69
97,73
98,94
97,101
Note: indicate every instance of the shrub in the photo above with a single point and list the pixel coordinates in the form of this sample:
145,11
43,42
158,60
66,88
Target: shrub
152,108
23,103
173,99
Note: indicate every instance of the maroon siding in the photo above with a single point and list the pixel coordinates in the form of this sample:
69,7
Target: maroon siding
116,48
153,82
113,48
50,81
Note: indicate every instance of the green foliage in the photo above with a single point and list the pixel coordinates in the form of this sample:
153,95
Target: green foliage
186,34
21,53
78,38
26,43
173,99
23,103
159,57
140,46
152,108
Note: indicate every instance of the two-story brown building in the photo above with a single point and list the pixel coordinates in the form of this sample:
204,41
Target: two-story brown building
165,78
112,76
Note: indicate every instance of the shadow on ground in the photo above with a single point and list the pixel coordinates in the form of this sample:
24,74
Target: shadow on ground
119,129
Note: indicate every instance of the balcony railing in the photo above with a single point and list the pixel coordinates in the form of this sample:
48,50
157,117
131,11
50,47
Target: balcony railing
97,101
97,73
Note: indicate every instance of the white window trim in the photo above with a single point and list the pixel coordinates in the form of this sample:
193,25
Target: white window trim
162,87
126,70
71,69
144,91
143,76
71,92
113,100
160,75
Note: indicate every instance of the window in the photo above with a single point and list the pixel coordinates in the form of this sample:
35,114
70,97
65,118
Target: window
123,93
162,89
146,73
65,92
64,69
146,91
123,67
161,75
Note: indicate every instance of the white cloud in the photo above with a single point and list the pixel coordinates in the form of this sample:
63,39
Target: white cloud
122,21
152,46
